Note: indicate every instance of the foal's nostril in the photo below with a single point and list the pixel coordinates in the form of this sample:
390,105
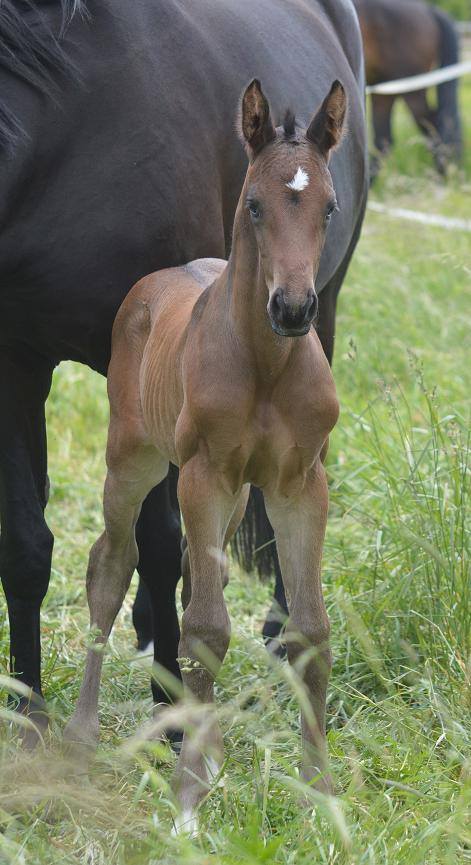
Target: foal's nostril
278,306
313,307
277,303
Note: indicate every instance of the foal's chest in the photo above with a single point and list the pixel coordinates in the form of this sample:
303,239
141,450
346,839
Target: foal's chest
280,443
268,439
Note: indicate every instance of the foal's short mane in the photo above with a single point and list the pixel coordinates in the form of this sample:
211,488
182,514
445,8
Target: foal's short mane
289,125
32,52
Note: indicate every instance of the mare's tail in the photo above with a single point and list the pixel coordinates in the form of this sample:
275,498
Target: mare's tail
255,549
254,543
448,116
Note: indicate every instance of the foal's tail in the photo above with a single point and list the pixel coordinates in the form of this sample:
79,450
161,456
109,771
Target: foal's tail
254,543
448,116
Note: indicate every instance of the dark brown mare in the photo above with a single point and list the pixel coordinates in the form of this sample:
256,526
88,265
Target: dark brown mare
119,158
217,369
409,37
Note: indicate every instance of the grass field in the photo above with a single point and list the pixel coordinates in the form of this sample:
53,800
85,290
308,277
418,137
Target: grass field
397,583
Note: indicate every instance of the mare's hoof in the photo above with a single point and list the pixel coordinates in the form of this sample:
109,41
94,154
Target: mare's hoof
145,646
166,735
34,710
276,647
175,739
273,637
161,728
274,631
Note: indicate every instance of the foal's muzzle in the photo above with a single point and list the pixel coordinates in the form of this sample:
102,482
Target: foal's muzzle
292,319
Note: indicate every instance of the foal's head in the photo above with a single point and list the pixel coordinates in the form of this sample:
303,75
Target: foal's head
290,200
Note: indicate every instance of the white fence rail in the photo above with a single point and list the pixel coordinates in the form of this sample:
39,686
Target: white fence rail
421,82
447,222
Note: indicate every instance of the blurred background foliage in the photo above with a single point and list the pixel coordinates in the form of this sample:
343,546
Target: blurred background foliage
459,9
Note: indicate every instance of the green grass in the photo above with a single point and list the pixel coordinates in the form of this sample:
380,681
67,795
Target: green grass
397,582
459,9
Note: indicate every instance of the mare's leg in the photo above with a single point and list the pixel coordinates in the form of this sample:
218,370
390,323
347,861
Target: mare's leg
26,542
299,530
327,313
276,617
325,326
207,508
132,471
158,535
381,107
142,617
426,120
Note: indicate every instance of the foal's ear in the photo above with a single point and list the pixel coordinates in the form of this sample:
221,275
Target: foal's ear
255,119
325,128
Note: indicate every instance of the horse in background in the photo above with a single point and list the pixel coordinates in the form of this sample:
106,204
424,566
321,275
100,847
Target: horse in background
402,38
117,162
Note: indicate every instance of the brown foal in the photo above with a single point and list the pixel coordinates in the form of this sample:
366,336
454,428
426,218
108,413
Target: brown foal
216,367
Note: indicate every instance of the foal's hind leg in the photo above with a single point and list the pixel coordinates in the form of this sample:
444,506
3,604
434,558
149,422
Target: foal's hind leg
299,529
111,564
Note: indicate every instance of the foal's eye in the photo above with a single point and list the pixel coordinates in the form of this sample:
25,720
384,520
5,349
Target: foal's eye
254,209
330,210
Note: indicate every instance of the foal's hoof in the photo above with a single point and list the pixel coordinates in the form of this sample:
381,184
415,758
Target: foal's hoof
186,823
319,782
81,740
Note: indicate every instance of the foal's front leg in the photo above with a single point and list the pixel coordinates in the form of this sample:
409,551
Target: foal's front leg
207,509
299,525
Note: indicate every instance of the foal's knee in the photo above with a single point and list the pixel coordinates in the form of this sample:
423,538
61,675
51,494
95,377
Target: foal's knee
25,560
207,636
309,637
112,564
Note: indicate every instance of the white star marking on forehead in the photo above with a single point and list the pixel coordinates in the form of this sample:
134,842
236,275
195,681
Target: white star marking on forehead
299,181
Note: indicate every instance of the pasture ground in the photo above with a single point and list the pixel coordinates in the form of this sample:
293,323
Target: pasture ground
396,574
